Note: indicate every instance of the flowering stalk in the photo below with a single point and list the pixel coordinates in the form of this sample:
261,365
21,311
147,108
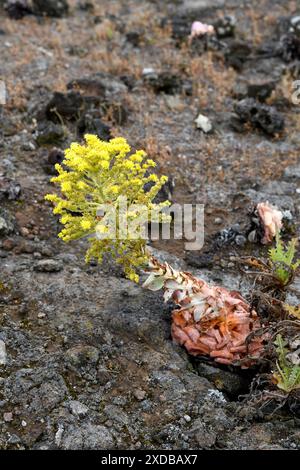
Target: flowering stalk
271,220
210,320
201,29
102,173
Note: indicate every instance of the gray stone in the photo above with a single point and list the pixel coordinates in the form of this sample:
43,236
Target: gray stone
3,355
87,437
115,414
49,133
6,226
240,240
8,417
48,266
77,408
170,383
139,394
195,6
82,355
292,172
38,390
283,202
203,435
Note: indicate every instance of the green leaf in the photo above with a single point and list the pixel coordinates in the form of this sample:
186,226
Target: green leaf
155,283
281,258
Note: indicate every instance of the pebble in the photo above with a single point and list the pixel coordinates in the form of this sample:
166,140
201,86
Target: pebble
148,71
78,409
48,266
5,227
3,355
59,434
46,251
24,231
8,244
14,439
139,394
292,172
202,122
240,240
49,133
82,355
28,146
8,417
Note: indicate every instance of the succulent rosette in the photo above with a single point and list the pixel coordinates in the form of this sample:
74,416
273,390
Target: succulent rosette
210,320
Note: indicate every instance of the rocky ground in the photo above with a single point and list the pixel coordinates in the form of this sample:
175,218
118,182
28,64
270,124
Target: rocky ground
86,358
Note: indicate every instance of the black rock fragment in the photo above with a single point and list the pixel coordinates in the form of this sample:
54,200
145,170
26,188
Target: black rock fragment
237,53
90,123
49,133
17,9
207,42
86,6
87,87
101,94
260,90
9,189
164,82
260,116
51,8
289,47
225,27
129,81
55,155
295,25
64,106
229,236
181,27
134,38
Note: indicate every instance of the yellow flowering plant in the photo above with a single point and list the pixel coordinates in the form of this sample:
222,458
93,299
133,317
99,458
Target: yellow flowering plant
102,173
95,178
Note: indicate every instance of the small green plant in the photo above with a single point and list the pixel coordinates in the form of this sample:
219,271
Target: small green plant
287,375
282,260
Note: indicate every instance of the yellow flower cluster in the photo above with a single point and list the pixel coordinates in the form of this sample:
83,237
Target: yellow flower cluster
101,173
